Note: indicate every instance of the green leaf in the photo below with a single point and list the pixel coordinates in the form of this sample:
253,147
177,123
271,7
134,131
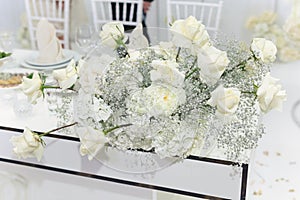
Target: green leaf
30,76
4,54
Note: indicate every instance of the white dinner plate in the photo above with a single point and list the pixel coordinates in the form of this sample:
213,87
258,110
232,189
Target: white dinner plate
74,54
39,67
32,60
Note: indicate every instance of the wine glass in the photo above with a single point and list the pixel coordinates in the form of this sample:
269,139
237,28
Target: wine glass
84,37
7,41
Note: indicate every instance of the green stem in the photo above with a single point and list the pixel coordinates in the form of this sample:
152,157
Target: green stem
191,73
57,129
245,61
55,87
239,66
194,70
50,87
178,52
119,40
116,127
248,92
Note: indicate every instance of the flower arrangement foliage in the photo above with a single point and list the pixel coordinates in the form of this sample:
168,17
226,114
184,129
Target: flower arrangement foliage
173,98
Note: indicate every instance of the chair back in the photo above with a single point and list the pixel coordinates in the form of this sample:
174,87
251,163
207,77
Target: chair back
128,12
56,12
206,11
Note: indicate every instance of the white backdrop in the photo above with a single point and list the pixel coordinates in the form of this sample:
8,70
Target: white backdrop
234,15
10,11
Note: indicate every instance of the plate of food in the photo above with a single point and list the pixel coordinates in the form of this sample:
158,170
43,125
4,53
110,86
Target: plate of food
12,79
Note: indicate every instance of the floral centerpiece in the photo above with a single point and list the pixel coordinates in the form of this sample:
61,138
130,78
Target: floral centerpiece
285,36
173,98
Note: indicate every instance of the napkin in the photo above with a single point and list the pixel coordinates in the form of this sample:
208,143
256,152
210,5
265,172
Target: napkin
49,47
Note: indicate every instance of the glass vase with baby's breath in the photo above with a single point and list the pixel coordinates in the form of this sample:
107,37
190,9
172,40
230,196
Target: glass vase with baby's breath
60,104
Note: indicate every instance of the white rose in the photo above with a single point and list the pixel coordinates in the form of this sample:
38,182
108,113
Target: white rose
212,63
288,54
29,144
137,40
163,100
267,17
136,102
189,33
226,100
80,65
32,87
166,49
264,49
261,29
66,77
292,24
292,28
90,110
111,32
166,71
176,139
269,94
278,36
104,60
134,55
87,80
94,68
103,111
91,141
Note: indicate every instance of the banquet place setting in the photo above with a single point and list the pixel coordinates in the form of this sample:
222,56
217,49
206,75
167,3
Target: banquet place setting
149,99
50,54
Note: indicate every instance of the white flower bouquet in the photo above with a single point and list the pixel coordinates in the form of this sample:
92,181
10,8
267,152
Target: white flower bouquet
175,98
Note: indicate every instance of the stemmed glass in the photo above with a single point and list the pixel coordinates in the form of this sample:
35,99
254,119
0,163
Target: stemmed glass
84,37
7,41
7,44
